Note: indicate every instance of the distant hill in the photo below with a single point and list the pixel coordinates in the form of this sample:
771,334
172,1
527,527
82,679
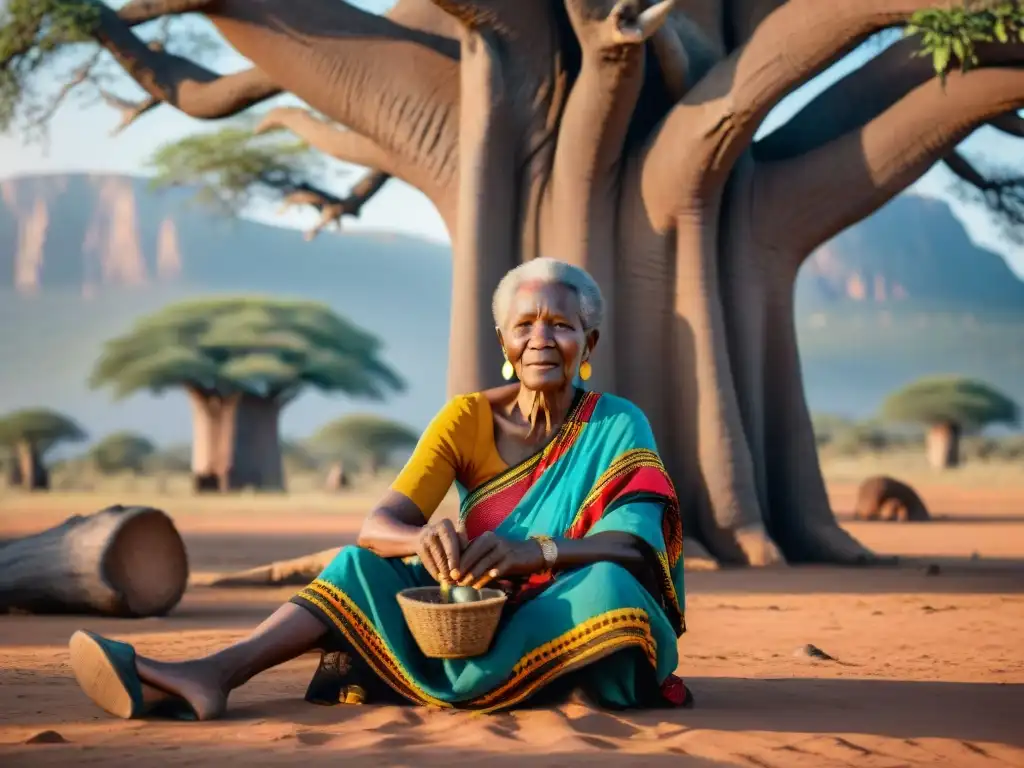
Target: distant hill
911,254
82,256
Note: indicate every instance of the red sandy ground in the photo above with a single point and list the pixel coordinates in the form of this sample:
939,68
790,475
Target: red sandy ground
930,668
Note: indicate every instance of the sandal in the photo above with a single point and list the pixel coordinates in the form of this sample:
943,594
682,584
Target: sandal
105,670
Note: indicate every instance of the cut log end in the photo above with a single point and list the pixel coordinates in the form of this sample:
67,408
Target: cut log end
128,562
146,564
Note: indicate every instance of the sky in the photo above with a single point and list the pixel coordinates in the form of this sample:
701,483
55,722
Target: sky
79,140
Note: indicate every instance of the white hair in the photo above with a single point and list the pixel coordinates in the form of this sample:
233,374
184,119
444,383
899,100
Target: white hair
548,272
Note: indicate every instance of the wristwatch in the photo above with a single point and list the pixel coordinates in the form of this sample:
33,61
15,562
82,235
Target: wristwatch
548,549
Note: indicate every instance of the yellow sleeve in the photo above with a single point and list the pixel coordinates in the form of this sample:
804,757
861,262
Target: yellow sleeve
442,454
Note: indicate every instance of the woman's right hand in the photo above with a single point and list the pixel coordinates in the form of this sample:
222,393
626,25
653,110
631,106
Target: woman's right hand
439,547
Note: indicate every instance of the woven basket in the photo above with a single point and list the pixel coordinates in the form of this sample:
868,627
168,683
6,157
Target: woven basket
451,630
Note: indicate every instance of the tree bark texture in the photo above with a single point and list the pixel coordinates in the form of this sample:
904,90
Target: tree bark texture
541,128
122,561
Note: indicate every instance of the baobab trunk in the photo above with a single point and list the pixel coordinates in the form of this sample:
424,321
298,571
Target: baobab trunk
256,460
337,479
207,425
236,443
716,468
942,443
31,474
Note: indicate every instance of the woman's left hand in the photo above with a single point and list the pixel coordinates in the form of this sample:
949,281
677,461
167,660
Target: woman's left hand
492,556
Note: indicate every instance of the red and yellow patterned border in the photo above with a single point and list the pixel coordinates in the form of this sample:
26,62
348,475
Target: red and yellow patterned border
364,638
585,643
640,471
487,506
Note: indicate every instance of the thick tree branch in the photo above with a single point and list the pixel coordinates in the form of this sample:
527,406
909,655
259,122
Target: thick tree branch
174,80
965,171
592,134
708,16
849,103
347,146
484,236
1011,123
826,190
534,60
425,16
673,61
721,113
743,17
331,207
395,85
864,94
137,12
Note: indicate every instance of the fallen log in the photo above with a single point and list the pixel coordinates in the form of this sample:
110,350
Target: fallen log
298,571
126,562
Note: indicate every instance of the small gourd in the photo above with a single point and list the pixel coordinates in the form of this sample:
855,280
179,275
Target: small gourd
463,595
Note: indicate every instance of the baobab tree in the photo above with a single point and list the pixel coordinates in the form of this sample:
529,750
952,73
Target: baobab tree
241,361
30,434
122,452
949,406
620,135
362,439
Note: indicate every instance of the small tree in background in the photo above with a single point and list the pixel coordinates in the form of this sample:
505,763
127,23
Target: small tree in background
297,457
363,439
30,434
242,360
122,452
949,406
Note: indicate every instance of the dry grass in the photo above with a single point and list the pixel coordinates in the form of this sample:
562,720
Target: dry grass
82,494
911,467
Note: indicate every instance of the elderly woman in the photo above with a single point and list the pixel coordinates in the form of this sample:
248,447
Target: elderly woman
564,504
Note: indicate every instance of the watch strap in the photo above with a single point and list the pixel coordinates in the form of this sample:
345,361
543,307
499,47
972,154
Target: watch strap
548,550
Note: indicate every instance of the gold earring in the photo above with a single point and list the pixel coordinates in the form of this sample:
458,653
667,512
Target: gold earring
586,370
507,371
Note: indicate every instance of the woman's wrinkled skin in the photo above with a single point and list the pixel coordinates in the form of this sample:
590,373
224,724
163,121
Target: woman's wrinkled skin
544,339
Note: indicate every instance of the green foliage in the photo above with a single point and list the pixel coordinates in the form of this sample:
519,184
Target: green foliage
861,437
838,435
951,35
966,403
122,451
233,345
362,438
827,426
32,34
40,427
232,166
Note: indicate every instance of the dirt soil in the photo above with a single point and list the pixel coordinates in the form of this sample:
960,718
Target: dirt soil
928,663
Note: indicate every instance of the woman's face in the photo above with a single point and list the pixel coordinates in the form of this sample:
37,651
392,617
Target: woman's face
543,336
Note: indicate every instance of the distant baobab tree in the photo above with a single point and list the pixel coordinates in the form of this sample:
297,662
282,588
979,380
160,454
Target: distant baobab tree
242,360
